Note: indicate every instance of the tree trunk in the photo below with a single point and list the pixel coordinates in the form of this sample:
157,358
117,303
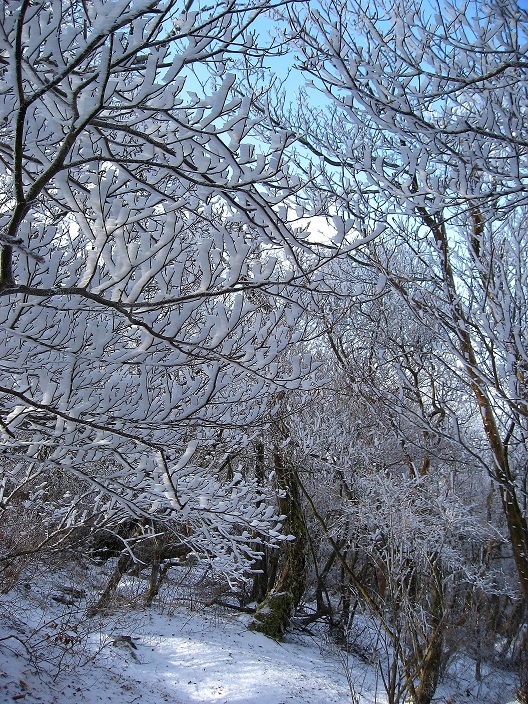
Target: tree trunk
522,693
517,525
274,614
123,564
429,667
261,584
158,570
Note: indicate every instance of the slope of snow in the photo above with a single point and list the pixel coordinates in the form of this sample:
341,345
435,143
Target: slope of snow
203,655
184,658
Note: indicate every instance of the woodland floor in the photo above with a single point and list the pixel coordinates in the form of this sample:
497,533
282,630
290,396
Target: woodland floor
183,652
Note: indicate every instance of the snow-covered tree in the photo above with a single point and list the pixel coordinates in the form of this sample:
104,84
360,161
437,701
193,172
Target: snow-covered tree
409,513
423,135
147,275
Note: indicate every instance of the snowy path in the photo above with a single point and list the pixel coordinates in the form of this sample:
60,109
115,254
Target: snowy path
189,659
206,657
227,663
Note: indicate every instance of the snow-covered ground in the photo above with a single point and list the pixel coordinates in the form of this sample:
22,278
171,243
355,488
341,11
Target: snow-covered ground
187,654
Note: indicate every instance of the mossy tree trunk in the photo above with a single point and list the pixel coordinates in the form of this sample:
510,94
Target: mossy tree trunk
275,612
261,579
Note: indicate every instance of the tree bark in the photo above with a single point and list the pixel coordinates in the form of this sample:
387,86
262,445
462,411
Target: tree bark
123,564
516,521
261,584
274,614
